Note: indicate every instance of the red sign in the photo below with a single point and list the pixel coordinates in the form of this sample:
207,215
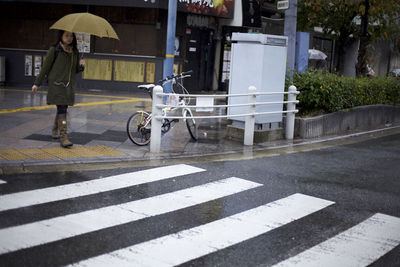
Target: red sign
216,8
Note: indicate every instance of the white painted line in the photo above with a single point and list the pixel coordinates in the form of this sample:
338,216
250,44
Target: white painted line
2,182
189,244
45,195
38,233
360,245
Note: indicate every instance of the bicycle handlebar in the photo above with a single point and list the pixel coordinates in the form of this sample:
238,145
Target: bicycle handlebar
168,78
187,72
149,87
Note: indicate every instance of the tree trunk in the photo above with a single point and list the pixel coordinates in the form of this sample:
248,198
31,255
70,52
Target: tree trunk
342,43
361,67
340,58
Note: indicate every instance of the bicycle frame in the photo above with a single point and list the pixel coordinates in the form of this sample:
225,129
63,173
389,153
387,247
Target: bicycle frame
149,118
142,127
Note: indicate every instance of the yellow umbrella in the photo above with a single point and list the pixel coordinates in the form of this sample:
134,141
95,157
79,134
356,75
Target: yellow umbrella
85,23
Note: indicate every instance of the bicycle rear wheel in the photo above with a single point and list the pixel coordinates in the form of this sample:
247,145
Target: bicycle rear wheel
138,128
190,124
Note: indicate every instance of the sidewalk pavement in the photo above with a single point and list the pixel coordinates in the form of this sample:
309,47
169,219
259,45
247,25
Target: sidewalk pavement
97,127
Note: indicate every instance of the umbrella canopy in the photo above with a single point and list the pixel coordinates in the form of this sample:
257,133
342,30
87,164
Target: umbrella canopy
85,23
316,54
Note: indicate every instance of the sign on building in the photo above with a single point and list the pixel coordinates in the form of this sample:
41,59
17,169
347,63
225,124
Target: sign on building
283,5
216,8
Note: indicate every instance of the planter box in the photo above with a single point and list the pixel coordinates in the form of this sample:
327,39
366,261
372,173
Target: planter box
341,122
260,136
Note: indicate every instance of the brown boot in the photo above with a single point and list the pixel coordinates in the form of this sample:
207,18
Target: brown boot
54,131
62,125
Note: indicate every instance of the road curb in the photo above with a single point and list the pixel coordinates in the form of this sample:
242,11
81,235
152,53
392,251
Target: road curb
257,151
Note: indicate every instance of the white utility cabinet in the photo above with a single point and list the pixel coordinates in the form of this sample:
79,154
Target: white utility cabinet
258,60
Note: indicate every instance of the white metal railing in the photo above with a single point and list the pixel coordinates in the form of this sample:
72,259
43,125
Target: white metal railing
290,111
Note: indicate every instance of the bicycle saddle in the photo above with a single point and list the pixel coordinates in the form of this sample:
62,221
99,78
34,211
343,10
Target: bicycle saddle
147,86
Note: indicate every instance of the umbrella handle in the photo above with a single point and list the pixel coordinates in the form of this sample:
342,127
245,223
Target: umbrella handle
81,57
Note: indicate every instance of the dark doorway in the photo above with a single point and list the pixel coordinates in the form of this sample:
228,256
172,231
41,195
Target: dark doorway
200,51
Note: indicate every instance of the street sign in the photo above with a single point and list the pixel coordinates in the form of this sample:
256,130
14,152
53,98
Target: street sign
283,4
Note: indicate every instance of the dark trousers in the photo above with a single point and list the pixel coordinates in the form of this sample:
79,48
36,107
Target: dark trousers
62,109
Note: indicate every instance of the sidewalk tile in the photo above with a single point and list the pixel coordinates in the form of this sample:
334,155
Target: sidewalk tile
12,154
36,153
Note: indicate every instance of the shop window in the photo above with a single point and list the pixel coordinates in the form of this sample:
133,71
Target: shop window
97,69
129,71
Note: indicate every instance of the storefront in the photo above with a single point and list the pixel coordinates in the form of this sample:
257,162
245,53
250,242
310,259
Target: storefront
111,64
200,50
201,36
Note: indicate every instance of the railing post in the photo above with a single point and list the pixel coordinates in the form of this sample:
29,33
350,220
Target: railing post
250,120
289,131
155,139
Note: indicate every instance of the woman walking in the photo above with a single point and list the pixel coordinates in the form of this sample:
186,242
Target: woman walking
61,66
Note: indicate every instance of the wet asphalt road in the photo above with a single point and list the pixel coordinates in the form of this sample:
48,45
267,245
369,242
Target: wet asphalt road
361,178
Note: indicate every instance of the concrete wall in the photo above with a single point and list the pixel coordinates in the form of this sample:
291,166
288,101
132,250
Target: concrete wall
359,118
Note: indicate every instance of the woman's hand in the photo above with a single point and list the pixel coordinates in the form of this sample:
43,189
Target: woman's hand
82,62
34,89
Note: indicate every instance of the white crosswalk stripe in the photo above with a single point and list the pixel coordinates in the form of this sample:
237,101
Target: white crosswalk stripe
360,245
45,195
196,242
2,182
37,233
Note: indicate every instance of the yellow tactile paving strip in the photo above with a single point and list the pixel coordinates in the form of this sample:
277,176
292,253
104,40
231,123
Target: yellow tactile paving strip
107,151
59,153
12,154
86,151
35,153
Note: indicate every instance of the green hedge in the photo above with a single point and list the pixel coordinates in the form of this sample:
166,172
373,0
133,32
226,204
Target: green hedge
322,92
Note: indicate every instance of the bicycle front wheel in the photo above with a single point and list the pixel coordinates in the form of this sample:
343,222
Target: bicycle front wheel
138,128
190,124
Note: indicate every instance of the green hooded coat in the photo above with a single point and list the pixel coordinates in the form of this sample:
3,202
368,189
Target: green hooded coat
61,69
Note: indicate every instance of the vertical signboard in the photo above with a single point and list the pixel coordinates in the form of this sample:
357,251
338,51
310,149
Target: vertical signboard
38,65
28,65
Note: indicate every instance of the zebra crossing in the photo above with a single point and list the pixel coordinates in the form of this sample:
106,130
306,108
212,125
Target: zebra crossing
360,245
40,196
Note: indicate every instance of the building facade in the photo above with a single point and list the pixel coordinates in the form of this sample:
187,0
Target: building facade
202,40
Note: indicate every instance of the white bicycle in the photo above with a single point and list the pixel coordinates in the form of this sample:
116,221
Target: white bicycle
138,126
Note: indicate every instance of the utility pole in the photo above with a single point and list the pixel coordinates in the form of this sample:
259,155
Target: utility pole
170,46
290,32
